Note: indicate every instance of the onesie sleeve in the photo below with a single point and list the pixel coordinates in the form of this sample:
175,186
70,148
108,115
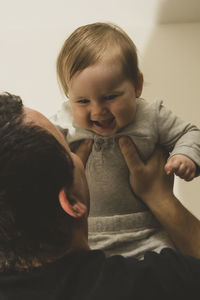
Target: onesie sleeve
178,136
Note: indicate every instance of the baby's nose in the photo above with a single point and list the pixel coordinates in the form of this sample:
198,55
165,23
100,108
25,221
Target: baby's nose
98,109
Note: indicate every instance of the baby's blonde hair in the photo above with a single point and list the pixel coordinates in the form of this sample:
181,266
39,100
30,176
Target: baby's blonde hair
87,45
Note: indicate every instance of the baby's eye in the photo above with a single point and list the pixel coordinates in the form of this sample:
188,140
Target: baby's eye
83,101
110,97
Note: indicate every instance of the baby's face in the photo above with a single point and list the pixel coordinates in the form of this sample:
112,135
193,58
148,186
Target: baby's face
102,99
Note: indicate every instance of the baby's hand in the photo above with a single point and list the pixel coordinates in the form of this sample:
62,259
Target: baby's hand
182,166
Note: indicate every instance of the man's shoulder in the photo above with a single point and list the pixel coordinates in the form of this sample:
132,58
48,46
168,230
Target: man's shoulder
91,275
161,276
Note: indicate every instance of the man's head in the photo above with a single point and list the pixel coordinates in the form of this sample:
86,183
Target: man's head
38,185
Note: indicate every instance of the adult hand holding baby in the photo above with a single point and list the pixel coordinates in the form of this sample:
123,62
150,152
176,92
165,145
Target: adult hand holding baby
150,182
84,150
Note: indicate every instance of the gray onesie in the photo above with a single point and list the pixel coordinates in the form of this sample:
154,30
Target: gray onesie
119,222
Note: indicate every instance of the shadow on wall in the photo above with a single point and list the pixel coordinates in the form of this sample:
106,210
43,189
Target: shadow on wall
179,11
170,64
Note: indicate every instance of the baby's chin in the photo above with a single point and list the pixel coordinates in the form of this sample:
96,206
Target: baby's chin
111,130
104,129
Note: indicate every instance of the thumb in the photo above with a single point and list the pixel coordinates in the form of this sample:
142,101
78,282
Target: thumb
84,150
130,154
168,167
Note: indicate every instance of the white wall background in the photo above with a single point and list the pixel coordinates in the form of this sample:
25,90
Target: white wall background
166,32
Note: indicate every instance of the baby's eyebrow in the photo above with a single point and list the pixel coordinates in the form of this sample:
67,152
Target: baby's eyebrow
75,97
79,98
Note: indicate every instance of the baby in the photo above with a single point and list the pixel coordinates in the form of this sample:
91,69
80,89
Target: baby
98,70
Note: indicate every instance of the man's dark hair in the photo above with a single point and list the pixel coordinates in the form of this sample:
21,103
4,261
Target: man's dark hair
34,167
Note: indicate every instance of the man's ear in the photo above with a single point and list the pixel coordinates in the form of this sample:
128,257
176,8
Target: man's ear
138,90
75,209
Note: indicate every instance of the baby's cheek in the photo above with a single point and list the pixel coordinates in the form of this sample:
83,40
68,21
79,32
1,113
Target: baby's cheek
125,118
79,116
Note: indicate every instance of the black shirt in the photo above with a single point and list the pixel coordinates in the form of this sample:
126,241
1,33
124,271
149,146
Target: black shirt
90,275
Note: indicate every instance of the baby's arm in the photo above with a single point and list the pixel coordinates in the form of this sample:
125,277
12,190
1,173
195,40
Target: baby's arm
182,166
182,140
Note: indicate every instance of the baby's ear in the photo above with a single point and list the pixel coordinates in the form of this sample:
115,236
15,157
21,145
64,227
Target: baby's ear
138,89
75,210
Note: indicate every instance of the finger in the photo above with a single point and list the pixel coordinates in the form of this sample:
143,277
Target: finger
160,153
130,154
168,168
182,171
183,174
173,166
84,149
190,176
157,159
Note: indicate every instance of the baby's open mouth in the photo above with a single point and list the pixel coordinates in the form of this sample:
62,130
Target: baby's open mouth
104,123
